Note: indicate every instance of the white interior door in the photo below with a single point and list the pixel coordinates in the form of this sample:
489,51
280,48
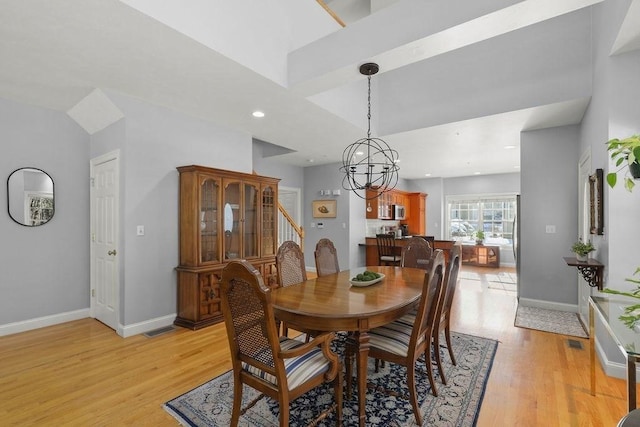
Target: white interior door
584,291
104,239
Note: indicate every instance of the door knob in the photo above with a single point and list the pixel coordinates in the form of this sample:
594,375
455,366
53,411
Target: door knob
113,252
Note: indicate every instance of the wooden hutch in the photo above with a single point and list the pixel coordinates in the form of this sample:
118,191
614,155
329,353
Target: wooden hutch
224,215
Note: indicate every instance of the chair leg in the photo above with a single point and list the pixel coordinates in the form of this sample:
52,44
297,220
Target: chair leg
411,382
338,396
427,360
284,412
436,350
347,365
237,400
449,346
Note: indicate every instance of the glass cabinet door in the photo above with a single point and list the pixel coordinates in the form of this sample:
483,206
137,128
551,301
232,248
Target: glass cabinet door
269,215
250,220
208,220
231,220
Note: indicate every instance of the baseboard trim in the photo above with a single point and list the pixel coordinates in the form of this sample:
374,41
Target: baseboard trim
146,326
547,305
41,322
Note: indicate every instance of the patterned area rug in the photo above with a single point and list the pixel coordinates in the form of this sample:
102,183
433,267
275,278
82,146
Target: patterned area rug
458,403
559,322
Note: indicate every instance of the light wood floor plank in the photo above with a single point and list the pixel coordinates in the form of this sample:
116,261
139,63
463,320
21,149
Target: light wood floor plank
81,373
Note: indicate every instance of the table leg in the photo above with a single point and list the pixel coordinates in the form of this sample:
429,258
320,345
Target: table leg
592,349
631,382
362,359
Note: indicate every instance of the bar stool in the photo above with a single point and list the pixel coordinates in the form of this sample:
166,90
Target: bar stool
632,419
387,254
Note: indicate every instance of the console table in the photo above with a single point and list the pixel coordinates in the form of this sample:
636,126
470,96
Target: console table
609,309
591,270
481,255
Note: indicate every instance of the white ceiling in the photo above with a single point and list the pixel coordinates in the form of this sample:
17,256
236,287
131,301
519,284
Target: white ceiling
221,61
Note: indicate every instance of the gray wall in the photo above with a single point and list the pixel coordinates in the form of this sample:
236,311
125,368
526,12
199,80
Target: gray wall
549,183
613,113
45,269
265,164
343,234
157,140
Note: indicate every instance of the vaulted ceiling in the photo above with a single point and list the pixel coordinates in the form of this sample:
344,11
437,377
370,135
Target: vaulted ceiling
459,79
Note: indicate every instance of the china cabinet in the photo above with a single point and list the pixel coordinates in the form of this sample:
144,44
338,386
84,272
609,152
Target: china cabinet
224,215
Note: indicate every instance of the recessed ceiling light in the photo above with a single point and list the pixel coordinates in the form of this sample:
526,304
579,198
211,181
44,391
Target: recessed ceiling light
427,174
310,160
258,113
477,173
509,147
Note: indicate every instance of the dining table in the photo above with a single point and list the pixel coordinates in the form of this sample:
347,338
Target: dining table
333,303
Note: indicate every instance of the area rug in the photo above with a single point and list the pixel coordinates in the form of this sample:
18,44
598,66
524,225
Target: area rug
559,322
457,404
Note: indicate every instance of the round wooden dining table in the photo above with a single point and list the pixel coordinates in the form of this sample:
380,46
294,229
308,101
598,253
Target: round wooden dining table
332,303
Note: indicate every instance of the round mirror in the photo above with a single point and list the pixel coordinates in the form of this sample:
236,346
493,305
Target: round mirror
30,196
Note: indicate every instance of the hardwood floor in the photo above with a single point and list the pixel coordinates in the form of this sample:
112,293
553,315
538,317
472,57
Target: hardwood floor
82,374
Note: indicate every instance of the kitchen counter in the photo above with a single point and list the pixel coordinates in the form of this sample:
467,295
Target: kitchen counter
372,247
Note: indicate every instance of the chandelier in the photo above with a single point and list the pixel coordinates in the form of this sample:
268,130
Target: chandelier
369,163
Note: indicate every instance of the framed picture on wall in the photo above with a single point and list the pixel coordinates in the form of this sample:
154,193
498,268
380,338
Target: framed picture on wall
596,212
324,208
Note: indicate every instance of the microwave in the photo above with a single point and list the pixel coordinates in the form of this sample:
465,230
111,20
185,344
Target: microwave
398,212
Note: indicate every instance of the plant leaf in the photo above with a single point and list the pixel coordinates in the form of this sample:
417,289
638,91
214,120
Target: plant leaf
611,179
629,184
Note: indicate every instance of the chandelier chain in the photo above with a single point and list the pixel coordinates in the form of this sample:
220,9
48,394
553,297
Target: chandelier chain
369,165
369,109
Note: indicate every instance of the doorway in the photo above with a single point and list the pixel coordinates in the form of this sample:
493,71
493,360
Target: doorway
105,201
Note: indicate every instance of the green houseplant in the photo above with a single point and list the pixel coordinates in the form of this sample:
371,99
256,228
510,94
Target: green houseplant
582,249
625,153
479,237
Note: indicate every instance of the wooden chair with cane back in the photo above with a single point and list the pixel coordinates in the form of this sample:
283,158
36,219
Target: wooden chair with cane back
326,258
416,253
278,367
403,341
290,268
443,315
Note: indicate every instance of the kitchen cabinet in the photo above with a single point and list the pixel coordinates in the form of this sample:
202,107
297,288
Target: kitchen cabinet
224,215
417,213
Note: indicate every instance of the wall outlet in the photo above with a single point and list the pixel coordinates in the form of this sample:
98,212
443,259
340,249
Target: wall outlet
550,229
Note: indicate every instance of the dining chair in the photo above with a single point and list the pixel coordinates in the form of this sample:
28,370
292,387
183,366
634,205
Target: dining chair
443,315
290,264
278,367
326,258
416,253
290,269
403,341
387,250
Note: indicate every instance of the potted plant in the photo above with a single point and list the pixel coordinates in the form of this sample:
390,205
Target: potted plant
625,153
479,237
582,249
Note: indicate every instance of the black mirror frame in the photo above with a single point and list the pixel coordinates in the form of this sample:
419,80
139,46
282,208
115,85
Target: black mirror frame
53,207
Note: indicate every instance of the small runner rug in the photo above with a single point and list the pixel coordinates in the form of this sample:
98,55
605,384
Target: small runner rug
457,404
559,322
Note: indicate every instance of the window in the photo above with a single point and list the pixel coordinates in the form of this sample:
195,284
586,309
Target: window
494,214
